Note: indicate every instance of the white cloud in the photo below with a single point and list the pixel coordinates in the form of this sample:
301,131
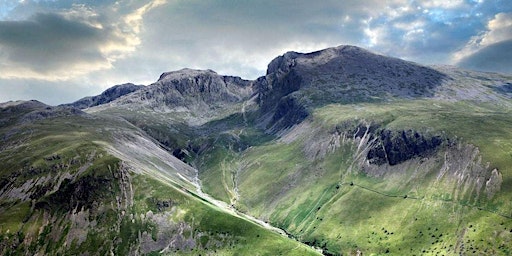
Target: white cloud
444,4
134,41
499,29
372,35
68,43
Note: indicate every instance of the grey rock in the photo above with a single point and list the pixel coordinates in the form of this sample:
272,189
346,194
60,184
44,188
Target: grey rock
395,147
186,87
344,74
198,95
105,97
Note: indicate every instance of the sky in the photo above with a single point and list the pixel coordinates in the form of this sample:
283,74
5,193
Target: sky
58,51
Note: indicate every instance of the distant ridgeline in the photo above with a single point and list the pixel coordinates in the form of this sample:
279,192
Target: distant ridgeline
335,152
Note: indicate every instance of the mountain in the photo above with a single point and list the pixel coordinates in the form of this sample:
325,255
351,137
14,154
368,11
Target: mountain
349,74
187,91
340,151
74,183
107,96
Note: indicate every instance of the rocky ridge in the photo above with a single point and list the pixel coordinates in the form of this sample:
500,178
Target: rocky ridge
189,90
107,96
324,143
343,74
295,83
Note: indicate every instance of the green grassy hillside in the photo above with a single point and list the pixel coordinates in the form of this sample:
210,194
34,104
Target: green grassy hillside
63,192
315,181
341,150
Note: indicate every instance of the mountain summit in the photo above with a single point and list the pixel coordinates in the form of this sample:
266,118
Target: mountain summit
196,95
335,152
344,74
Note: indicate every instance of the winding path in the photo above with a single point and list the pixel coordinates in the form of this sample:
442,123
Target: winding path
423,198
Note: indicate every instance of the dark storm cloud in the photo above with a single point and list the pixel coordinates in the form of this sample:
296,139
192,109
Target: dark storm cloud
49,41
495,57
61,44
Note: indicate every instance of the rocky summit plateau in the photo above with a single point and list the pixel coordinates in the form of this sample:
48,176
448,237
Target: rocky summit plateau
336,152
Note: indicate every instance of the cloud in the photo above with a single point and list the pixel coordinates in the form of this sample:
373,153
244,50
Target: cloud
442,4
69,43
241,37
108,42
491,49
423,31
49,92
498,29
50,46
495,57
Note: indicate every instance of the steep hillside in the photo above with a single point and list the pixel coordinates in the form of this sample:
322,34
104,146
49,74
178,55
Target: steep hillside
73,183
175,109
410,160
107,96
395,173
341,149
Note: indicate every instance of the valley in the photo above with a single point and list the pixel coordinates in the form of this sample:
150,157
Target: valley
335,152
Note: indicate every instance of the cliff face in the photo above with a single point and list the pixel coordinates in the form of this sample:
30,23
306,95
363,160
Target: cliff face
395,147
344,74
416,159
107,96
190,90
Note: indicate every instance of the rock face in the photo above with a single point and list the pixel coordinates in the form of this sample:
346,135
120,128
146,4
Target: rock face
505,89
106,96
188,89
343,74
395,147
10,106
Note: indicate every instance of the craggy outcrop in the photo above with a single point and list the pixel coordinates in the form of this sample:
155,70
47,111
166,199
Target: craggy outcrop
190,89
288,112
343,74
395,147
107,96
377,145
412,155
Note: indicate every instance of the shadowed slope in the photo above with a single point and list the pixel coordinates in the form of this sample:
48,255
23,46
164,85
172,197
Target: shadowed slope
297,82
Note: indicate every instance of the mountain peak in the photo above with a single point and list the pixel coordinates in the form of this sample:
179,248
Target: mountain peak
193,94
319,57
29,104
338,51
343,74
186,73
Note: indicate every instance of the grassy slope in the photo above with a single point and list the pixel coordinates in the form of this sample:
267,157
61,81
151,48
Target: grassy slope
485,126
43,224
315,201
30,231
244,237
